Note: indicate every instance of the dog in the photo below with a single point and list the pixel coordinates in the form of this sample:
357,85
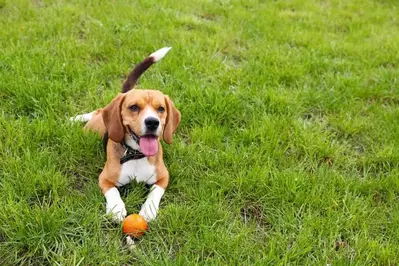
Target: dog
132,126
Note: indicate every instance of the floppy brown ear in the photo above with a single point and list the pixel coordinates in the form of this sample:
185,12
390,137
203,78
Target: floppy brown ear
172,120
112,118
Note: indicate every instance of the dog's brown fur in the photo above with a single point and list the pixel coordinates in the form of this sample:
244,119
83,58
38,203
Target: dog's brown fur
116,117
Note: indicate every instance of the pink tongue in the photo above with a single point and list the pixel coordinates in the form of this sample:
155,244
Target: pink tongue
149,145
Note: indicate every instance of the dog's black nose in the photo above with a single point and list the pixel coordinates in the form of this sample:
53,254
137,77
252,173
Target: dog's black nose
151,123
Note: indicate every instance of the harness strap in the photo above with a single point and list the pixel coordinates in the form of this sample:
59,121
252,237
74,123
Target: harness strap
105,141
130,153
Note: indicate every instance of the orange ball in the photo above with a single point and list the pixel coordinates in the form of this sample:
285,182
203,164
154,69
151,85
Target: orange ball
134,225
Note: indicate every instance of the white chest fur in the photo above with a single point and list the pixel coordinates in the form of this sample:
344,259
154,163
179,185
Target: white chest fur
139,170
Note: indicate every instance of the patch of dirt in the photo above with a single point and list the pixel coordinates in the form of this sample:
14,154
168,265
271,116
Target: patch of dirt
254,213
208,16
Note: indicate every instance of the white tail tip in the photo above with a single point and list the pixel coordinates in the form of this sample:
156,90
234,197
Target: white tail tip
158,55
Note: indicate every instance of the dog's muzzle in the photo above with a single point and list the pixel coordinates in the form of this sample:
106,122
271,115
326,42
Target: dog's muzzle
151,124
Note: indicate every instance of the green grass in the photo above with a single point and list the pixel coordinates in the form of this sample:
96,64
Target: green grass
288,143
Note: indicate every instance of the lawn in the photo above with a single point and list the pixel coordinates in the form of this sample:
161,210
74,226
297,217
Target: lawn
287,152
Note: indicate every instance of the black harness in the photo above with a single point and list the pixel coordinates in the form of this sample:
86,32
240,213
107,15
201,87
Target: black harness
130,153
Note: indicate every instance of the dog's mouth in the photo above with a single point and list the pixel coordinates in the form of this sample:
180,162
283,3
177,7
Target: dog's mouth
149,145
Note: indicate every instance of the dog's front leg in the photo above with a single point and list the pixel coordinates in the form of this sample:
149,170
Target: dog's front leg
115,205
150,207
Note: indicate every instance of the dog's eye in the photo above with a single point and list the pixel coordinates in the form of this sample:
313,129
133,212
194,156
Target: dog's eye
161,109
134,108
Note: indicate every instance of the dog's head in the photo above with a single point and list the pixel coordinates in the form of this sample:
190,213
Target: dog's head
148,113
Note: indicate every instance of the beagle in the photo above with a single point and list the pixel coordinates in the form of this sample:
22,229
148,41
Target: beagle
132,126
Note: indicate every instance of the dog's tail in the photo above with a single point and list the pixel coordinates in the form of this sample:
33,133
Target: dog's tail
141,67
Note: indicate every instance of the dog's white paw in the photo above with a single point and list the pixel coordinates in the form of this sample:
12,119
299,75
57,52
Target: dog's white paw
82,118
117,211
115,205
149,211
